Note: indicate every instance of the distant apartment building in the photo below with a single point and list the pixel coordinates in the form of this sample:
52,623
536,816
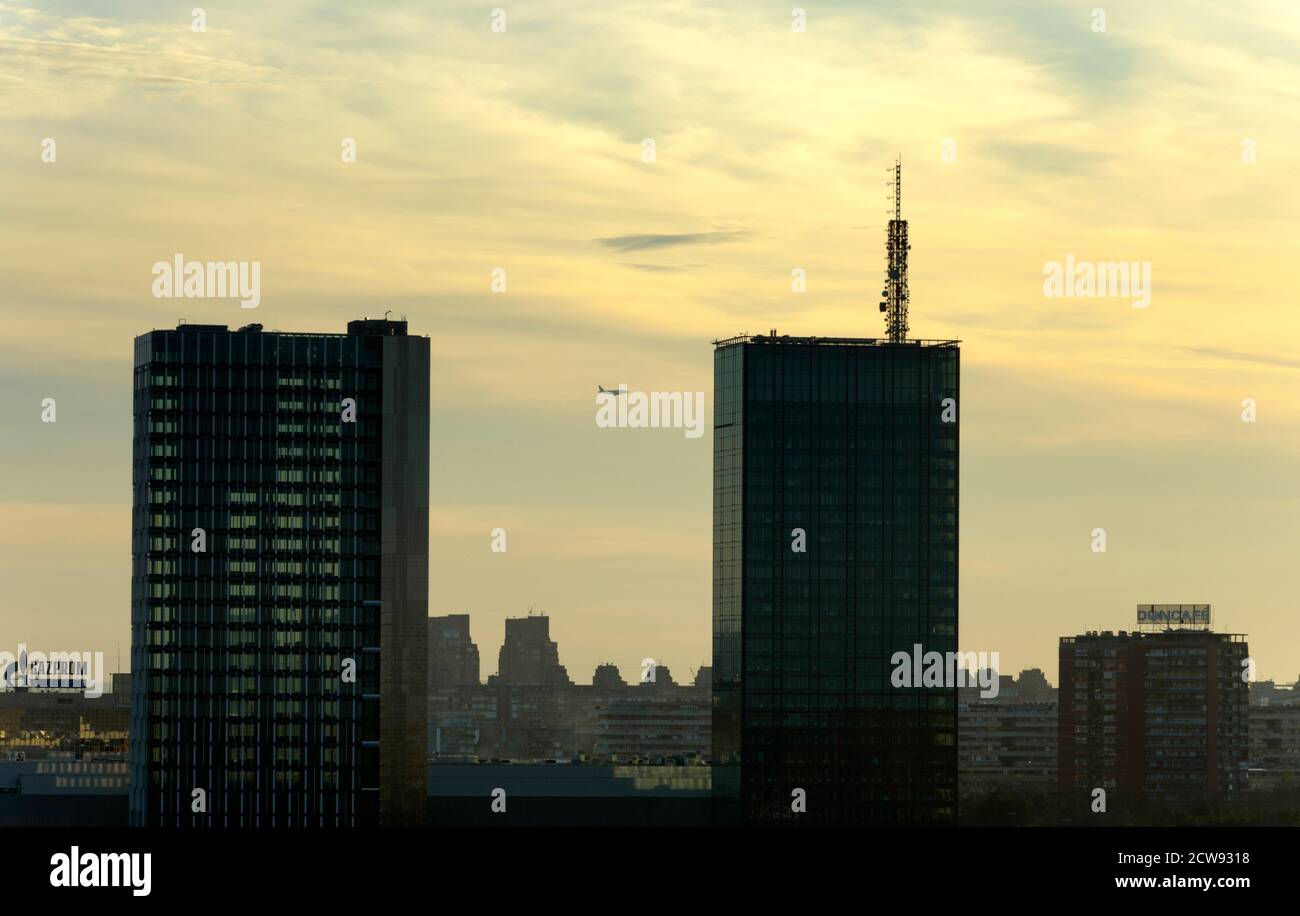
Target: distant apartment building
1271,693
531,710
654,726
1029,686
529,655
462,720
1008,740
462,711
1274,736
37,723
1160,714
617,721
530,724
453,656
620,723
606,676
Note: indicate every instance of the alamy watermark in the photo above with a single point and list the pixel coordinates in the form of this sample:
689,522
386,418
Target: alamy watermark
75,868
41,670
946,669
182,279
653,410
1100,279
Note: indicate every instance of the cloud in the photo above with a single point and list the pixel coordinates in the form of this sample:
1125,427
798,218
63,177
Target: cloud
655,268
642,242
47,52
1263,359
1047,158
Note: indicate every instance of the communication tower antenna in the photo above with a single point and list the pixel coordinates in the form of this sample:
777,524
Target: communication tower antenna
894,297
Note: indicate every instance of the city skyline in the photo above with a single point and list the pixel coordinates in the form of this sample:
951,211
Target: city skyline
427,419
771,154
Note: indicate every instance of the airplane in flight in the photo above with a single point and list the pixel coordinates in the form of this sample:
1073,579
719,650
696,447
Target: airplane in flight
614,391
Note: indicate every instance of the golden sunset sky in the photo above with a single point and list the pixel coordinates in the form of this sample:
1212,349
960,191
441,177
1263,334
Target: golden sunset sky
522,150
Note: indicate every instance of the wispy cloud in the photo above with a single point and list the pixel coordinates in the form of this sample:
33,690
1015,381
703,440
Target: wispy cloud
1263,359
655,268
1047,158
643,242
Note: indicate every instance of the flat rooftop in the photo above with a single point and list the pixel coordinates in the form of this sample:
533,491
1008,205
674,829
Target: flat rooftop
773,340
1163,633
363,327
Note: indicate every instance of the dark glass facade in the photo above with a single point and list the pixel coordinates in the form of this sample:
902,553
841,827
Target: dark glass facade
847,440
314,537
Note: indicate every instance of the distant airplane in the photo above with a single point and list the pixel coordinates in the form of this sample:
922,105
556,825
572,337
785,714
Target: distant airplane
616,391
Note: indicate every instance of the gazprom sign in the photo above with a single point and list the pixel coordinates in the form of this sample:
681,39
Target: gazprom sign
1174,615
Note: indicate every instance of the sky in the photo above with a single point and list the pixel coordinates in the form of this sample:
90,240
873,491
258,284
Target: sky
1168,137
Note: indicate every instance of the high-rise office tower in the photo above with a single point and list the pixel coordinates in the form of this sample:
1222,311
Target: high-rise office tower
835,546
279,584
1160,714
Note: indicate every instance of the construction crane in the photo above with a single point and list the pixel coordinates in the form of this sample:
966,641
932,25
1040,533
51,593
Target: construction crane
894,296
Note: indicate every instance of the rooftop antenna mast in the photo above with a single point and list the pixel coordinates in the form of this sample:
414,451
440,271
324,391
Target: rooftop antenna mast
894,296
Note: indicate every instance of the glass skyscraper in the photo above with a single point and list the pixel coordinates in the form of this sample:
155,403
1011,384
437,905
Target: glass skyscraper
279,593
835,546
